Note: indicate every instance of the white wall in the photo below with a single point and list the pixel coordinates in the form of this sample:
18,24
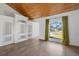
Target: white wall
74,28
73,20
41,27
33,29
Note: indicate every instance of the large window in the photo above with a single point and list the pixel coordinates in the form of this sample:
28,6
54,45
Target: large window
56,28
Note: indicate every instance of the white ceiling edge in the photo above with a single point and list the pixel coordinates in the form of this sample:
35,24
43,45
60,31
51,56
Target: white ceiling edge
7,10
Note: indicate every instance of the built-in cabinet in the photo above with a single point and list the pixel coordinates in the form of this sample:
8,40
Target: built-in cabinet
12,29
6,30
21,28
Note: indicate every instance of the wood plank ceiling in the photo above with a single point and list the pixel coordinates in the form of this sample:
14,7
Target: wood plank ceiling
36,10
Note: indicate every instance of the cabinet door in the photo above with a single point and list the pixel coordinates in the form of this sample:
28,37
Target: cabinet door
7,31
20,31
30,30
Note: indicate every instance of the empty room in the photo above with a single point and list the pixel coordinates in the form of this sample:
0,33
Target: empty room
39,29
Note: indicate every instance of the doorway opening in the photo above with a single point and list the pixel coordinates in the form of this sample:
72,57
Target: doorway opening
56,30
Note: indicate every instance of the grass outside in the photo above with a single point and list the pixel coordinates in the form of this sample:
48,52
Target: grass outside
58,35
